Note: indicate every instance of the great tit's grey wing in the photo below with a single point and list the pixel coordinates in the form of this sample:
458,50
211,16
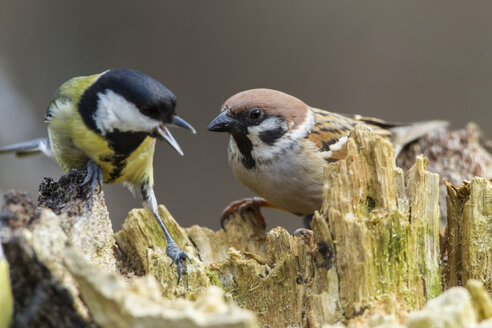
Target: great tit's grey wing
31,147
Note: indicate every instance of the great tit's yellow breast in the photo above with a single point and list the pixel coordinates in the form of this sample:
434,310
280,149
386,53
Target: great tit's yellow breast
93,145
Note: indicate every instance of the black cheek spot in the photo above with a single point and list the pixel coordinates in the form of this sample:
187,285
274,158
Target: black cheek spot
245,147
271,136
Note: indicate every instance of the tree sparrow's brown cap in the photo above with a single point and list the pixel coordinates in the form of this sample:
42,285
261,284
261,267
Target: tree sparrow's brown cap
272,102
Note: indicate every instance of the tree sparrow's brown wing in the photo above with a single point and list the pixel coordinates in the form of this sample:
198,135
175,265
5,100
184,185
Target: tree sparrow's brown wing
331,130
329,134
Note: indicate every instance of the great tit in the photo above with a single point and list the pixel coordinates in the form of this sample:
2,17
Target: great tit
108,123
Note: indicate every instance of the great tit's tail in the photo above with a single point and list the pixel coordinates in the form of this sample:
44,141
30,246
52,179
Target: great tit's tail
28,148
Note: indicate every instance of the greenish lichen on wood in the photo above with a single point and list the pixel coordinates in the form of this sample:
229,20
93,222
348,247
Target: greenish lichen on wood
272,274
482,302
469,233
372,256
115,303
365,233
457,307
390,247
83,279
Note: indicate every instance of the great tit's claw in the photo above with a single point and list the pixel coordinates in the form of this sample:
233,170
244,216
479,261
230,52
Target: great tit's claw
94,176
177,257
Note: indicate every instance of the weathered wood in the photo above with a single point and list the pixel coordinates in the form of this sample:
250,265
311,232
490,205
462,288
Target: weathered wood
116,303
469,233
67,271
365,233
456,155
482,302
44,293
385,231
372,256
270,273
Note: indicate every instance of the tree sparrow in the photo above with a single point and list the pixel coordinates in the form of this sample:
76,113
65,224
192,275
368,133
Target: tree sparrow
279,146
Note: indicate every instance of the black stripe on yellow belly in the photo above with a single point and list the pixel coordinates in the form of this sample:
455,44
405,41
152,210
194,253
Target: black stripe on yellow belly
123,144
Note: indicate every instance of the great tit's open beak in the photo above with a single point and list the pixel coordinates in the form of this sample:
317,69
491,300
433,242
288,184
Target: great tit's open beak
163,132
178,121
222,123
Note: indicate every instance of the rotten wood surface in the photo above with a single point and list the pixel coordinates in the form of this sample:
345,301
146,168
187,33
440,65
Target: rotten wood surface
469,233
372,257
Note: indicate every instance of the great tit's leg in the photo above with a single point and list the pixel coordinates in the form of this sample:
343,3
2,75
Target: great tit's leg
172,249
253,204
94,176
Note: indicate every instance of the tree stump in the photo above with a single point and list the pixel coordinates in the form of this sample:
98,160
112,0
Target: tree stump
373,255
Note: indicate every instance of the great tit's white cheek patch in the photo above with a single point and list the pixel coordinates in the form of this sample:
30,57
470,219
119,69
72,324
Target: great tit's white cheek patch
115,112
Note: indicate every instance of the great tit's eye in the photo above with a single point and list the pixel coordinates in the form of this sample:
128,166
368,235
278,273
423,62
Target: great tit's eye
255,113
150,111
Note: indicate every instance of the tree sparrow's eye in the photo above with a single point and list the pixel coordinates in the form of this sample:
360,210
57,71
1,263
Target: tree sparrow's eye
255,113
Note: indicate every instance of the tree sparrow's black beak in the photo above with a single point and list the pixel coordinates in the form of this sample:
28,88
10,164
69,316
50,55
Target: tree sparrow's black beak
223,123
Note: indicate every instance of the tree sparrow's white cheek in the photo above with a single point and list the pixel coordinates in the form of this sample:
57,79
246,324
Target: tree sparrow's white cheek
269,138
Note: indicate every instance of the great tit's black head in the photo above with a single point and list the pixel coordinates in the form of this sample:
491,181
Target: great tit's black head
128,101
150,97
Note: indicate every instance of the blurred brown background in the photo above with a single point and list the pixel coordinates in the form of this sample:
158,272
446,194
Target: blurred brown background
401,61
